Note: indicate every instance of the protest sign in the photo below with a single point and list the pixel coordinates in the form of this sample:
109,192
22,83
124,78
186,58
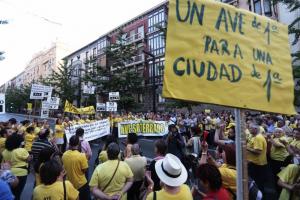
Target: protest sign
100,107
40,91
2,103
90,110
53,103
111,106
88,89
44,113
143,127
92,130
220,54
37,91
45,105
114,96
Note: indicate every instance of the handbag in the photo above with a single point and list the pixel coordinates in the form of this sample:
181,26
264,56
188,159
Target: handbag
111,177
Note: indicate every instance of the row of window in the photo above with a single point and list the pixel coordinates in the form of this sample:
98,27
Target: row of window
157,18
158,68
261,7
156,43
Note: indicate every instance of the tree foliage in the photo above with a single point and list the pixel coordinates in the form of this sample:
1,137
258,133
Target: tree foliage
16,99
116,76
61,81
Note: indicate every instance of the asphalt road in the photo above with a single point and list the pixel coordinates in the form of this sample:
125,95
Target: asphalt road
147,146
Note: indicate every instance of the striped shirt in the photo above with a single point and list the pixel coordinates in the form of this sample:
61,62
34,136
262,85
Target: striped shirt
38,146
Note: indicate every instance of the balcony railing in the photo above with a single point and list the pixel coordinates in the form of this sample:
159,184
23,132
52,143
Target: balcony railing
134,61
134,38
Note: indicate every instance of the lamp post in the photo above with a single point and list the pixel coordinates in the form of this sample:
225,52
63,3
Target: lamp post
153,79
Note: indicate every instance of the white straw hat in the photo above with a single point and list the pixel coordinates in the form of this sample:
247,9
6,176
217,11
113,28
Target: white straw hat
171,171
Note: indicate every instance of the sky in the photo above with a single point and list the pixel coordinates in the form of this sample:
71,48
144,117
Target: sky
33,25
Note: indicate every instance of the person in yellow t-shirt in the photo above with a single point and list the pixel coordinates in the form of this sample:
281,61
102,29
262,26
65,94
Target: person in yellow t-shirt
38,128
19,159
227,170
278,152
24,125
288,178
103,154
45,155
59,134
257,156
172,175
29,138
76,164
52,186
3,136
120,183
294,146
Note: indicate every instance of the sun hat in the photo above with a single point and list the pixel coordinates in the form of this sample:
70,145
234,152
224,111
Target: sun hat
171,171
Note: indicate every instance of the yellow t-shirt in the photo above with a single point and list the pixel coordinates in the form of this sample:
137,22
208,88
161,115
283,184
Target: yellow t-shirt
29,138
23,129
260,143
279,153
103,156
248,135
295,143
103,174
37,130
116,121
228,177
2,144
19,159
6,156
74,164
288,175
55,191
262,130
59,131
183,194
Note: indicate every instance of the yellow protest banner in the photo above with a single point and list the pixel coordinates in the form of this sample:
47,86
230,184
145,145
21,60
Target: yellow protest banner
70,108
86,110
219,54
143,127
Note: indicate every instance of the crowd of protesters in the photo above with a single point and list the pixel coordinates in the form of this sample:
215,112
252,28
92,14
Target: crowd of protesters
195,160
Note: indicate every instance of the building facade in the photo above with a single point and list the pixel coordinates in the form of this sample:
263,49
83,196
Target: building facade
147,31
43,63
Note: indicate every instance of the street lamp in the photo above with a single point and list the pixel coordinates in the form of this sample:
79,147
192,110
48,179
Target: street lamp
153,79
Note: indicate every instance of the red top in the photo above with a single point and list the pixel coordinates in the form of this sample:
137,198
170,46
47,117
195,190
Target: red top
221,194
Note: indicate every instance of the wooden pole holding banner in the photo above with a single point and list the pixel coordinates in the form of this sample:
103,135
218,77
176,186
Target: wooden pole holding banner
241,165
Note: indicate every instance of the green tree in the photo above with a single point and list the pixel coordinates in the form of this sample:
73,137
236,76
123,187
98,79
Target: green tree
16,99
294,5
115,76
61,81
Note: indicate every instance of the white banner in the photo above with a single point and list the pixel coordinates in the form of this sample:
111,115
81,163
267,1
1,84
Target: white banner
44,113
143,127
88,89
2,103
37,91
111,106
100,107
40,91
114,96
92,130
